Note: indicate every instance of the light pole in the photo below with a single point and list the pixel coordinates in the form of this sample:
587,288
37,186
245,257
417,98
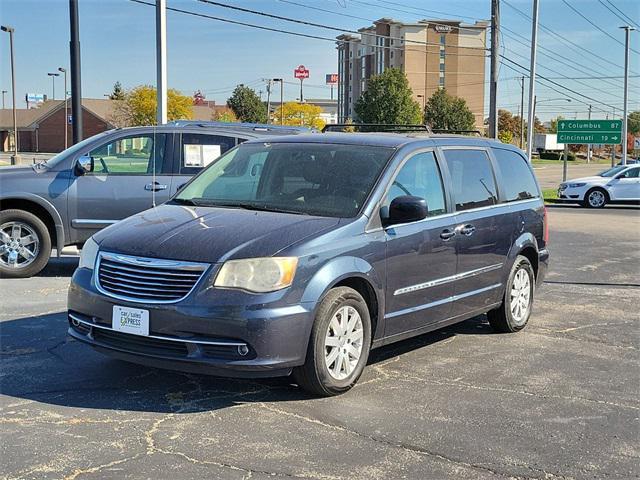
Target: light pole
10,30
3,92
546,100
281,98
627,36
53,83
532,78
424,102
66,112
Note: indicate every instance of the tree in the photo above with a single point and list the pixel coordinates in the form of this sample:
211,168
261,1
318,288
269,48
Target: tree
388,99
140,103
553,128
247,106
508,126
301,114
118,92
505,136
633,122
224,115
447,112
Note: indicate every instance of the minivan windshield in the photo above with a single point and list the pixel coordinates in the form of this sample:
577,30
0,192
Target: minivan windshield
305,178
612,172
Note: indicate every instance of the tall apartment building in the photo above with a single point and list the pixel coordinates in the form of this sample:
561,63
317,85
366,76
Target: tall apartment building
432,53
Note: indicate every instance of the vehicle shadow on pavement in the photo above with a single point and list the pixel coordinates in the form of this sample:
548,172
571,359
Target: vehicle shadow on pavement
576,206
39,362
60,267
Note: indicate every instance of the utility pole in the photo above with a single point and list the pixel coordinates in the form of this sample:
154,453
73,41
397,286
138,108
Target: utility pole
66,112
76,87
10,31
532,78
589,145
493,88
627,36
613,147
161,61
281,80
268,100
3,92
521,113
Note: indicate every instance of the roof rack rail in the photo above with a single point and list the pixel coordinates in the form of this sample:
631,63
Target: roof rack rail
264,127
376,127
457,132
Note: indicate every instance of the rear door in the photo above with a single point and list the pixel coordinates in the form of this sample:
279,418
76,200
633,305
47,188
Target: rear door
195,151
130,175
483,228
421,256
626,185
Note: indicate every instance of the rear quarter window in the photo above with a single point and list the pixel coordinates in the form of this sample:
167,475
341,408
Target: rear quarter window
518,182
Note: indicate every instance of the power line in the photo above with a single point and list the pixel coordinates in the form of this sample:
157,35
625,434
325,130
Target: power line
562,38
595,25
328,27
437,12
326,11
622,16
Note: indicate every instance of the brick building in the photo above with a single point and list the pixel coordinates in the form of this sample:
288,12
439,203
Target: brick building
432,53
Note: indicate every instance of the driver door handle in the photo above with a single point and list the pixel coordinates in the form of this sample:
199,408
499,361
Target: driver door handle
467,229
447,233
155,187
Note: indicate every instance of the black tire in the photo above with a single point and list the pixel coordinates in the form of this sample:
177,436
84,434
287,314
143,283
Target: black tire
502,318
588,203
314,375
44,250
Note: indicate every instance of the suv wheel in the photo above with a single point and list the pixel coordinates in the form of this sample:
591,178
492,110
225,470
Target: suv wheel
515,310
25,244
339,345
596,198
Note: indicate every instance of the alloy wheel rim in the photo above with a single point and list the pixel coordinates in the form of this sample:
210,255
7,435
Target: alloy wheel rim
19,245
596,199
520,296
343,343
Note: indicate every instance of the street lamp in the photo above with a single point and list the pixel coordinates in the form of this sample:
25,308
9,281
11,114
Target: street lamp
281,80
53,83
10,30
547,100
3,92
64,71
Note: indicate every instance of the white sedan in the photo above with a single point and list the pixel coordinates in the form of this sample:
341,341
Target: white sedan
620,184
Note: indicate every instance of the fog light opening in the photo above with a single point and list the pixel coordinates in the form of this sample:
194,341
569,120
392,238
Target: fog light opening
75,322
243,350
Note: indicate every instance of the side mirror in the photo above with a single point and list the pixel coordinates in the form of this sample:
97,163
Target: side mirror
406,209
85,165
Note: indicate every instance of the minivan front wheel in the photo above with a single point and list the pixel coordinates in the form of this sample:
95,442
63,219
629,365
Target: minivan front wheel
514,312
339,345
25,244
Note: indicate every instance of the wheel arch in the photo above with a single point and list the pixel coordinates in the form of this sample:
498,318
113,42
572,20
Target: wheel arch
527,246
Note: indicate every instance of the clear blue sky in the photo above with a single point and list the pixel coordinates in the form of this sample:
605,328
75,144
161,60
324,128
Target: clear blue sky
117,41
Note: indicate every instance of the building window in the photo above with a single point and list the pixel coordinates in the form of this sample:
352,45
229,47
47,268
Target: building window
442,67
442,54
443,39
441,84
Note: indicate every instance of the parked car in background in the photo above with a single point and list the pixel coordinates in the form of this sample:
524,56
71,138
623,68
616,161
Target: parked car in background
620,184
106,178
339,243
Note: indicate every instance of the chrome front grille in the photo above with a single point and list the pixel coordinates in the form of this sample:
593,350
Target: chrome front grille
149,280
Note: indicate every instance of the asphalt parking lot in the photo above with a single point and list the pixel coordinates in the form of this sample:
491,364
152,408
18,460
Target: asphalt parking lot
559,400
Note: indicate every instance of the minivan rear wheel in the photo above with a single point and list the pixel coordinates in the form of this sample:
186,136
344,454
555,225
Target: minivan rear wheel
25,244
514,312
339,345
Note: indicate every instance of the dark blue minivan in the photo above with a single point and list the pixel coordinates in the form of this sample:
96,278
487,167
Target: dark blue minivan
298,255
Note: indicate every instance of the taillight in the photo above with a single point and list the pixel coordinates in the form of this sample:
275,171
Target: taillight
545,221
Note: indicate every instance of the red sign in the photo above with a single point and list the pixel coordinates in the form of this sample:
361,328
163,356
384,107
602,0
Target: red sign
332,79
301,72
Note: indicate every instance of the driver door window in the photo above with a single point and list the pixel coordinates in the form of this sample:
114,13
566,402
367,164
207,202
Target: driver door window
141,155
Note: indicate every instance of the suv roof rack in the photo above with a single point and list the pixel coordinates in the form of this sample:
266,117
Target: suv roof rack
457,132
377,127
257,127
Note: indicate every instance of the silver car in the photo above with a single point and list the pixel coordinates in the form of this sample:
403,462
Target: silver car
104,179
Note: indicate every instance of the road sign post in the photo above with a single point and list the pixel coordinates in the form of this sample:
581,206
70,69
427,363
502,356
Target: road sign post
301,72
602,132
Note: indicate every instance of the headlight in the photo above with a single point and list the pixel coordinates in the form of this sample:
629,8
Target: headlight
88,254
257,274
576,185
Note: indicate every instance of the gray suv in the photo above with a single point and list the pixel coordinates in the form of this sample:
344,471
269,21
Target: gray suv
104,179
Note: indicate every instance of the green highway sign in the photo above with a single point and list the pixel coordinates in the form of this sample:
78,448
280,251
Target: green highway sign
590,131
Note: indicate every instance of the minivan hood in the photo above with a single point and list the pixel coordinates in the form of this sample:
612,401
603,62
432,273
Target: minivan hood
208,234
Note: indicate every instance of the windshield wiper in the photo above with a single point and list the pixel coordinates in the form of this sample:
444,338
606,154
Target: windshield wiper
184,201
245,206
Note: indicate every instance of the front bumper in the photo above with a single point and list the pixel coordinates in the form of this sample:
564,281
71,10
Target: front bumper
204,333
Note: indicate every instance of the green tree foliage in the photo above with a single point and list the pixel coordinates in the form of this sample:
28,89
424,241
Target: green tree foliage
247,106
508,126
553,128
118,92
633,122
447,112
388,99
140,103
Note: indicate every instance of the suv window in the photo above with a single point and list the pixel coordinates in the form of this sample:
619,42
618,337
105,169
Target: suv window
472,178
519,183
135,155
420,176
199,150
